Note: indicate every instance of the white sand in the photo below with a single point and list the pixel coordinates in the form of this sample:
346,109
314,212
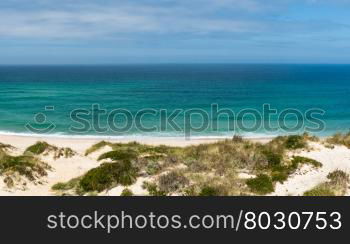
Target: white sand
308,177
65,169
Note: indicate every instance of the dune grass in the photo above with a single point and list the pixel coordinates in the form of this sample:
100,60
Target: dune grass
153,189
206,169
339,139
27,166
39,148
200,170
134,146
337,185
126,154
297,160
65,152
6,147
215,166
42,147
71,184
322,190
281,172
172,182
13,167
97,147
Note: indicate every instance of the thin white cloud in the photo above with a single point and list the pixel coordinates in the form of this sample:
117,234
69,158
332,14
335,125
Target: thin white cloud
86,19
90,22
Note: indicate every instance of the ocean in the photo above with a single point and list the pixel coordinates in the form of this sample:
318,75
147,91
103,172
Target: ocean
209,100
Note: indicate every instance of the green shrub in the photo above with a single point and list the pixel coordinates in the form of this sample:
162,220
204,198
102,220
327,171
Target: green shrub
126,193
119,155
107,175
60,186
280,173
126,173
295,142
280,176
39,148
100,178
209,191
273,158
262,184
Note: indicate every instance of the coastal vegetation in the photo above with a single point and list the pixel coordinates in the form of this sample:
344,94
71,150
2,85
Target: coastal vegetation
337,185
126,193
45,148
224,168
5,147
262,184
202,170
15,168
96,147
340,139
107,175
71,184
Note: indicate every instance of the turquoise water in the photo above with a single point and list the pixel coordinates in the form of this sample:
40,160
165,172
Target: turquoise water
25,91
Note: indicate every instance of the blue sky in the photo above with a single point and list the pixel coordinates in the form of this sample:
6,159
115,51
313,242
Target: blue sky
174,31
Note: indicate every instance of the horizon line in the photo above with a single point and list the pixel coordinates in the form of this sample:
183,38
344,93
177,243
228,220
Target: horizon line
170,63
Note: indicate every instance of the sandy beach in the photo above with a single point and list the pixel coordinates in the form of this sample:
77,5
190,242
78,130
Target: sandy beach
78,143
64,169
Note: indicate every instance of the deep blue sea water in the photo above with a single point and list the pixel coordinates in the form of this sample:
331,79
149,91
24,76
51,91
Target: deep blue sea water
25,92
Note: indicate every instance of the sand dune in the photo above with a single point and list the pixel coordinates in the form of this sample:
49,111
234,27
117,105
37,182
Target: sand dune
64,169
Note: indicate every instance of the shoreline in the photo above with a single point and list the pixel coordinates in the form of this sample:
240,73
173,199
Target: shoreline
71,140
27,140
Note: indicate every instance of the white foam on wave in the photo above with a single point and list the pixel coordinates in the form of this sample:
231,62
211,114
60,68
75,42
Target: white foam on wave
138,136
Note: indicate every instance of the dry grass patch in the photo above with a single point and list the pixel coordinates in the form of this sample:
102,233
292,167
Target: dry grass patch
339,139
337,185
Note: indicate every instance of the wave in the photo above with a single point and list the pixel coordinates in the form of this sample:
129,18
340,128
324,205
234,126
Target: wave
164,135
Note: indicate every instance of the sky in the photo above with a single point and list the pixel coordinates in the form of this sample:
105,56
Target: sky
174,31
